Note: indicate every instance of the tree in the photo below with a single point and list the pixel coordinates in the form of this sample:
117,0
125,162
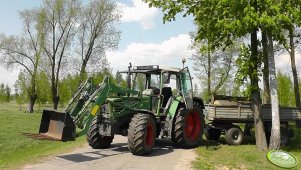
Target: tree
265,70
293,66
292,9
25,51
43,88
214,68
223,22
285,91
2,92
21,86
60,17
235,19
275,132
96,33
7,93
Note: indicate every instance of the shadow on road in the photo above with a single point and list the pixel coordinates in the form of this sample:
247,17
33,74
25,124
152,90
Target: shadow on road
161,147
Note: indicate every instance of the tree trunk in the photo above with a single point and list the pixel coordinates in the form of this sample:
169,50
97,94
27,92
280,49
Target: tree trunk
56,100
32,100
275,131
55,97
266,84
82,73
54,92
294,70
209,73
255,94
32,92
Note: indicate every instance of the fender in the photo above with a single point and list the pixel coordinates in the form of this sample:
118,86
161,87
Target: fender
170,114
173,108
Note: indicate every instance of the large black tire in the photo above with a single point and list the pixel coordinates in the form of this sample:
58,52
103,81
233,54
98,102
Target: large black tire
234,136
188,128
141,134
95,140
213,134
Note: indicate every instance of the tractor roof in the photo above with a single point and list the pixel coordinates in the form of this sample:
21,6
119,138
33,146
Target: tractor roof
156,68
152,69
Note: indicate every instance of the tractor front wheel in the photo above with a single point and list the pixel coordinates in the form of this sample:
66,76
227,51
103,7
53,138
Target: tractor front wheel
96,140
188,127
141,134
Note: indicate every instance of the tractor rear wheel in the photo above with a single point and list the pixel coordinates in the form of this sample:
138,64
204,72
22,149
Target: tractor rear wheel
141,134
95,140
188,127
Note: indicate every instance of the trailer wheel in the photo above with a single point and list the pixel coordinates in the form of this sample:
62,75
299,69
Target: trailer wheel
213,134
188,128
95,140
234,136
141,134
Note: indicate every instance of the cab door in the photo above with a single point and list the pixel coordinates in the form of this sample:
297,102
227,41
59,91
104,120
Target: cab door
186,87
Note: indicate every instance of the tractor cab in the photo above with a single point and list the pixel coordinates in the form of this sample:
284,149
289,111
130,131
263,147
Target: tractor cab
162,85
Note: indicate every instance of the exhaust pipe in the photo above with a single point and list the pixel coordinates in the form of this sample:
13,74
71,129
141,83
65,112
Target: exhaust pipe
57,125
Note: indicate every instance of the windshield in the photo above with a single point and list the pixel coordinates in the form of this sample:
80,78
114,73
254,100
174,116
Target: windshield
155,81
139,81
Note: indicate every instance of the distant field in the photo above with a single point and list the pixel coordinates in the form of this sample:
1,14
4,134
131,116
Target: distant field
221,156
16,149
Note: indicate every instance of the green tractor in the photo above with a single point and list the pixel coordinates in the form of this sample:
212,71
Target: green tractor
158,103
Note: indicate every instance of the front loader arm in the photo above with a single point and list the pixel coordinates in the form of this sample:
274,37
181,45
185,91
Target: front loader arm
97,99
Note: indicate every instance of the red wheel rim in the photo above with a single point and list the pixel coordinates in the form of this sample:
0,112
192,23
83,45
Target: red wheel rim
149,134
192,125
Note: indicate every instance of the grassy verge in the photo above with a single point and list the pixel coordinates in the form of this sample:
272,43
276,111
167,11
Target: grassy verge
17,149
214,155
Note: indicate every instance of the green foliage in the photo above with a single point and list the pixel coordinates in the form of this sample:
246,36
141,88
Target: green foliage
244,73
5,93
68,87
285,90
43,88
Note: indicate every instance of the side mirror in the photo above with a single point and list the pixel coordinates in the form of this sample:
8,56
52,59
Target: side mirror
166,78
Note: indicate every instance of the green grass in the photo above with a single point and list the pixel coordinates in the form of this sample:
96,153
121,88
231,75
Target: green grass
17,149
214,155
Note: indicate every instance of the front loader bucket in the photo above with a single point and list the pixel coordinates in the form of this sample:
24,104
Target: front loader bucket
57,125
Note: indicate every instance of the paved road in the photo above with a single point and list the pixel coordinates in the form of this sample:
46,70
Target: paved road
163,157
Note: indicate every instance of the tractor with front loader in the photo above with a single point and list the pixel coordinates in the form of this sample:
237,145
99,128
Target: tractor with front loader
158,102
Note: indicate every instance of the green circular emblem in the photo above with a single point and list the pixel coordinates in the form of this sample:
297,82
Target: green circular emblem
282,159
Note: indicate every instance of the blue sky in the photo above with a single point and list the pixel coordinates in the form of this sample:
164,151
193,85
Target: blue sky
144,39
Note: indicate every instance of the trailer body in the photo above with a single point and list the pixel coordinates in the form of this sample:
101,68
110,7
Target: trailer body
225,113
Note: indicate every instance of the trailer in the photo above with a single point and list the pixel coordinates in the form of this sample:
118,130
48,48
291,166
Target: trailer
224,113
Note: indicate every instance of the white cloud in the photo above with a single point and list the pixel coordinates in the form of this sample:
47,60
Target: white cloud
8,77
139,12
283,63
169,53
